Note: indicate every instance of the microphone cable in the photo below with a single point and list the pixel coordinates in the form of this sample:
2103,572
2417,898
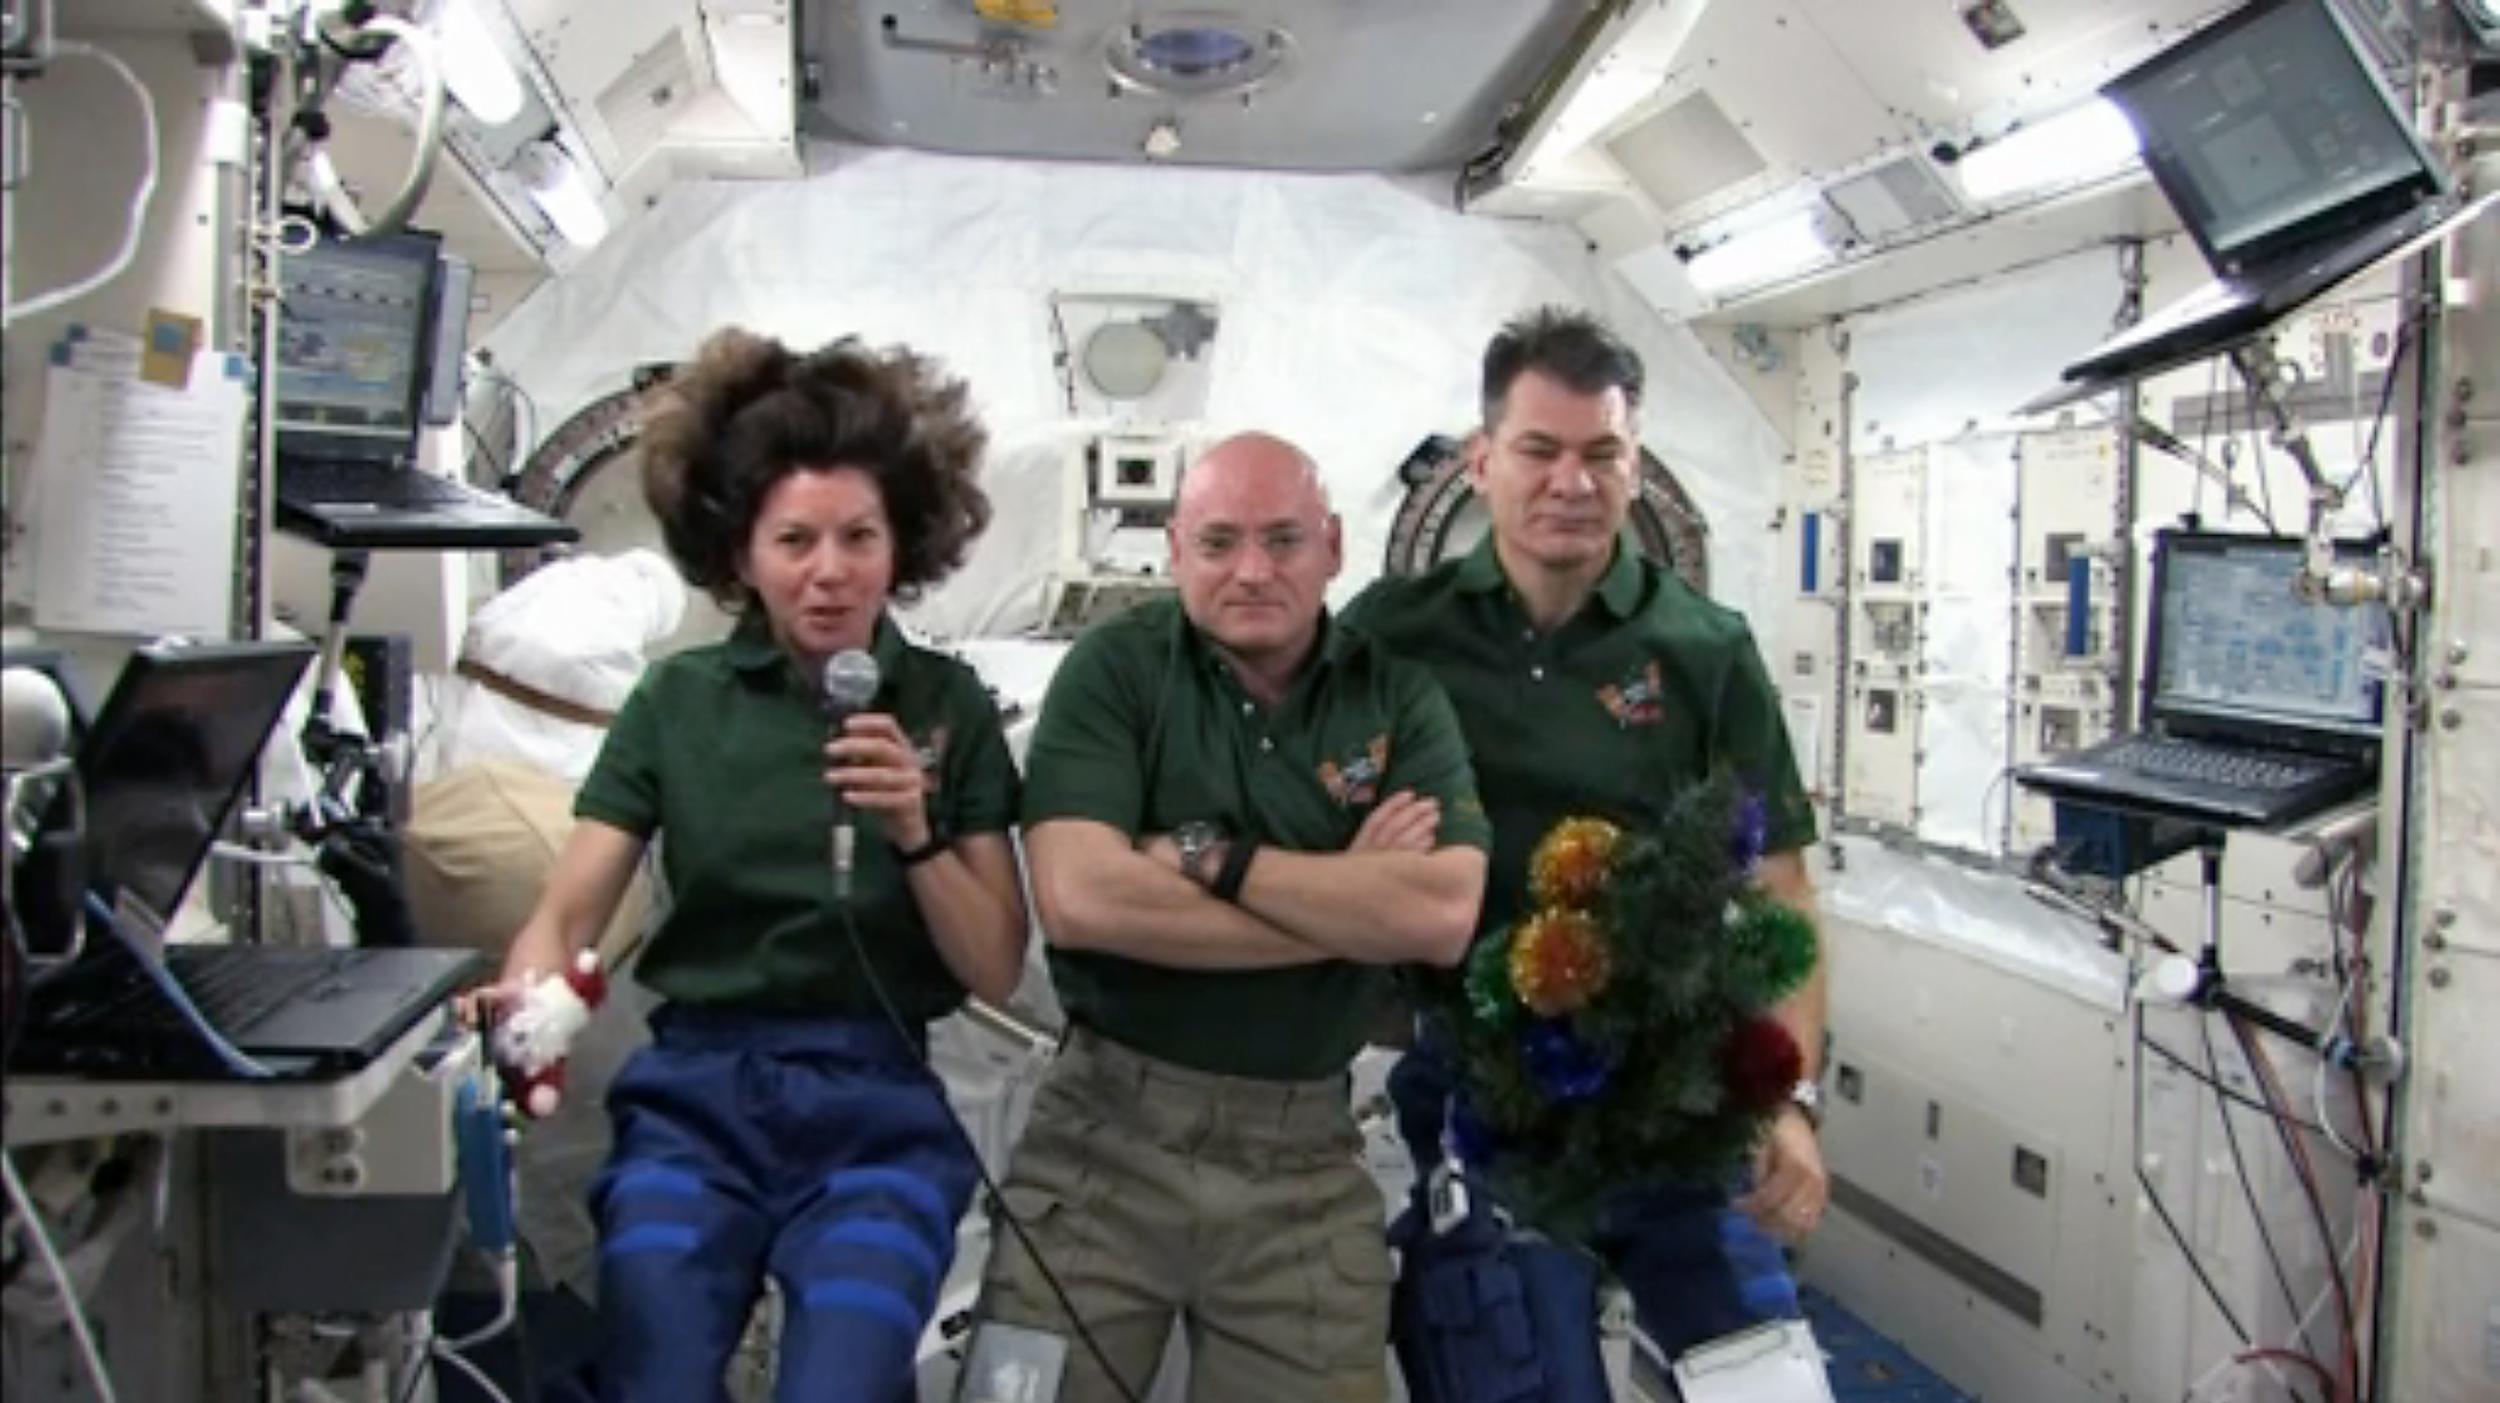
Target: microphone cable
989,1185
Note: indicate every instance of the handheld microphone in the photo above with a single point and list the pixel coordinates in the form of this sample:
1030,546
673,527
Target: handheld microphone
850,685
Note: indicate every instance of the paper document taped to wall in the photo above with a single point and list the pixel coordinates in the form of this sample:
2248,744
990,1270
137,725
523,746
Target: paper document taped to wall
135,492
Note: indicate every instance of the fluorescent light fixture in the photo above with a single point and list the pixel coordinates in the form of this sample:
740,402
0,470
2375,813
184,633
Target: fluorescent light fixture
2093,139
474,66
562,193
1788,244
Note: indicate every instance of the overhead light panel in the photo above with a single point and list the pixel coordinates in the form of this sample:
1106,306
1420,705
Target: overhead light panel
563,193
481,79
1790,243
2077,144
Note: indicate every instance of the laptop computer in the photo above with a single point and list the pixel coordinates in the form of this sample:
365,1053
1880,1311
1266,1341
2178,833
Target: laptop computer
361,330
2261,707
162,768
2287,160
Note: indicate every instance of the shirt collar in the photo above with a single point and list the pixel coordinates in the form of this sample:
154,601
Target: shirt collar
1335,644
1619,589
751,649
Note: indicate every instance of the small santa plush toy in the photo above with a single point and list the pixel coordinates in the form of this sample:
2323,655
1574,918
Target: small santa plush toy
532,1041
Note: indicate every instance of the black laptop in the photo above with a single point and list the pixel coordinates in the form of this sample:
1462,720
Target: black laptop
363,327
2290,164
2262,708
162,768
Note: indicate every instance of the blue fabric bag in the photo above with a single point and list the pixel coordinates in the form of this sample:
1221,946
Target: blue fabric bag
1481,1314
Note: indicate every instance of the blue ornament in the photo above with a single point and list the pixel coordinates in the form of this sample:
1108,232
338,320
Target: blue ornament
1753,831
1568,1069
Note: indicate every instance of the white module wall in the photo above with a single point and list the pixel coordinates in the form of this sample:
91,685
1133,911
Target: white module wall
1887,614
1802,645
2066,681
1978,1214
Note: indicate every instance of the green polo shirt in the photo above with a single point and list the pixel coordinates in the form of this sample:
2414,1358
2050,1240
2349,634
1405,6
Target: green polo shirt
721,749
1631,701
1145,728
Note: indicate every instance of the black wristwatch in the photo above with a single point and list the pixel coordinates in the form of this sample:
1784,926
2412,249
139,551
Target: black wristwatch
913,857
1197,841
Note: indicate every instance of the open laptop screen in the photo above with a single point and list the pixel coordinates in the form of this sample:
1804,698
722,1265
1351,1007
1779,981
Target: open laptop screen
355,332
168,757
2233,642
2266,121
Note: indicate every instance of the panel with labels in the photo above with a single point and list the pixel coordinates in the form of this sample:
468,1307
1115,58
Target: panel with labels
2070,598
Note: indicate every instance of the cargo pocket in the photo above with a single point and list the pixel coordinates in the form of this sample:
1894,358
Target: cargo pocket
1013,1288
1352,1304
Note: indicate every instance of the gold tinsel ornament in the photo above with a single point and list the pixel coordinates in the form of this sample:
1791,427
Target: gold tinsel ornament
1558,961
1569,868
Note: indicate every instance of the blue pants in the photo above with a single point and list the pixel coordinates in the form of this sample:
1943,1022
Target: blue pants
1697,1268
819,1150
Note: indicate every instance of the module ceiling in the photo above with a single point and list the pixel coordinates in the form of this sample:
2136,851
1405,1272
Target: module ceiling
1378,85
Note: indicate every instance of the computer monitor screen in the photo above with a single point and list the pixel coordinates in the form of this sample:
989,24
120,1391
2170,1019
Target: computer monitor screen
168,758
2267,120
2236,642
355,329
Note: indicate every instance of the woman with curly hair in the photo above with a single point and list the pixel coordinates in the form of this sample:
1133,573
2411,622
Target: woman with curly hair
783,1119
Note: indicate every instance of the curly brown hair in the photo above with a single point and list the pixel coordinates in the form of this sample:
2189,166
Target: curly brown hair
749,411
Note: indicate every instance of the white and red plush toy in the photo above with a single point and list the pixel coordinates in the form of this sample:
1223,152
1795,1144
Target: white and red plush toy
532,1041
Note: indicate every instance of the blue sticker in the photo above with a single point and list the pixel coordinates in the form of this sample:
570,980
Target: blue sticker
238,368
168,338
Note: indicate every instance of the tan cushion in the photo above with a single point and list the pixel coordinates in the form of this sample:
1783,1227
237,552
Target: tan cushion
480,843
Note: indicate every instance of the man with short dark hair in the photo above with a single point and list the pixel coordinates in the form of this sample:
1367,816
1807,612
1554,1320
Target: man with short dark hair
1592,681
1238,815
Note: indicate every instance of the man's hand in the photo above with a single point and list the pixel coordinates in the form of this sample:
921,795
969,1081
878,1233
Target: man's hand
1790,1185
1403,822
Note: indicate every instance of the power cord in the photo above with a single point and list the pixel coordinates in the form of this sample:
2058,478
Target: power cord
31,1225
989,1185
135,220
227,1053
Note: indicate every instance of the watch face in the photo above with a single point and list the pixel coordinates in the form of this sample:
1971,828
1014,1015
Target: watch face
1195,839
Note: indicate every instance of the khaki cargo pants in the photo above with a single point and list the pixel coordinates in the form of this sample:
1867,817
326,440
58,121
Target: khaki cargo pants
1239,1205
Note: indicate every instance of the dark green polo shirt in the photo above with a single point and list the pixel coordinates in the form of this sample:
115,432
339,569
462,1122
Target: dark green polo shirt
1145,728
721,751
1613,714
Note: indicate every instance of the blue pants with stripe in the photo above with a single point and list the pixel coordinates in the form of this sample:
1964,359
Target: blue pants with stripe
819,1150
1697,1267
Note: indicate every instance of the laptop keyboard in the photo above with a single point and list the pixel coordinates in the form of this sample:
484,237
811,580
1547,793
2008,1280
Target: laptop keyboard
2193,763
325,483
233,987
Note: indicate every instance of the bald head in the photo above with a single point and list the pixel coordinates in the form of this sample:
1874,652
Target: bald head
1253,549
1257,459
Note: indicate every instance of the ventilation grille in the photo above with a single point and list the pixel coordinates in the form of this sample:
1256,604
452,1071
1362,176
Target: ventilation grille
639,106
1894,197
1686,153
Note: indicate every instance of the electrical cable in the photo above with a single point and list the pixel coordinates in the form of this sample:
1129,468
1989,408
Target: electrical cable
403,203
989,1185
2271,1087
2152,1196
226,1052
135,221
2235,1359
2248,1188
31,1225
2228,1093
2368,467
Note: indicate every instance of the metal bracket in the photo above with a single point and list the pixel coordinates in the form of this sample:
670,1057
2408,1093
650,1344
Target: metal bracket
2395,581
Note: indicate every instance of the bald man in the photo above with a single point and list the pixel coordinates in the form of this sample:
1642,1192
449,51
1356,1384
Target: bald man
1238,816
